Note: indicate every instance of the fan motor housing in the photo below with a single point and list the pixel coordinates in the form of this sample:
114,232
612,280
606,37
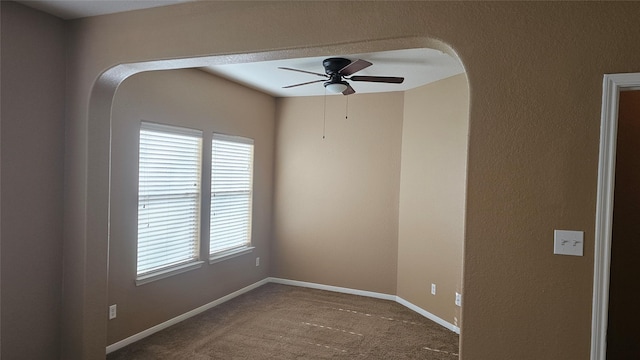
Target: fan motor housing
333,65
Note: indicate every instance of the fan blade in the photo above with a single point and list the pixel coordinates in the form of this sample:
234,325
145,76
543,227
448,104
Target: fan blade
348,91
306,83
354,67
380,79
304,71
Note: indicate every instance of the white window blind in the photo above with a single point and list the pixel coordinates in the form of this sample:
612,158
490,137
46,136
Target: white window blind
170,162
231,193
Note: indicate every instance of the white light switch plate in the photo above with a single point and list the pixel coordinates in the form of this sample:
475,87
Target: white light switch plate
568,242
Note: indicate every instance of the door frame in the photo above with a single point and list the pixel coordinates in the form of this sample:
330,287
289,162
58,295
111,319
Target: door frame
611,87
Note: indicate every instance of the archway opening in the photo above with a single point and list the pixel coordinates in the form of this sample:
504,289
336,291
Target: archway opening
101,192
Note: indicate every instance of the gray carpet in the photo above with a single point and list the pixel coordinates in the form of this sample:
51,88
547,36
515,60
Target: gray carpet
287,322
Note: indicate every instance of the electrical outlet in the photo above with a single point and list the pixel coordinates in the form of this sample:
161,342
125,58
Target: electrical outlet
458,299
113,311
433,289
258,261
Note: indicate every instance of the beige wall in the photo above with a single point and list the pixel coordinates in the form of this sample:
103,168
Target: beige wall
32,147
622,332
336,208
535,95
432,195
336,199
194,99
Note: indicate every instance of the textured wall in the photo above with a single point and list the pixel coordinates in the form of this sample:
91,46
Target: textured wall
535,75
336,213
33,84
432,195
193,99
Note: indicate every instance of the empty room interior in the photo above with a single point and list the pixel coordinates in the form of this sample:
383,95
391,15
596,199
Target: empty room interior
342,193
442,196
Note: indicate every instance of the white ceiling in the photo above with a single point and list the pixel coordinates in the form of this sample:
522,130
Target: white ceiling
417,66
73,9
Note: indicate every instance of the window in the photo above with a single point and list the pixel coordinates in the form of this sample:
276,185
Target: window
170,163
231,194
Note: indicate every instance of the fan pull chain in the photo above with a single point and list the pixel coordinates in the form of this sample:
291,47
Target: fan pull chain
346,111
324,121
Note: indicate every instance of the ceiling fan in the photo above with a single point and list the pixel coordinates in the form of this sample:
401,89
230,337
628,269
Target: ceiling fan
336,71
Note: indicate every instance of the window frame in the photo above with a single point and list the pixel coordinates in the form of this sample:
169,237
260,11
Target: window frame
194,261
246,246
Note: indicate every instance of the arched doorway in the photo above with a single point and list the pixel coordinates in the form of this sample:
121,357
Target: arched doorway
94,288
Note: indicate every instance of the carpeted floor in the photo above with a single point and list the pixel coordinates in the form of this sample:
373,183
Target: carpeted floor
287,322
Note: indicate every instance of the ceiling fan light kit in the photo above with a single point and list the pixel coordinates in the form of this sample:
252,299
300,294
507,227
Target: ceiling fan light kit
336,87
336,71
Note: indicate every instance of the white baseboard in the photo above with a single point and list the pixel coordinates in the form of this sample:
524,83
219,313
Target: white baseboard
371,294
428,315
152,330
332,288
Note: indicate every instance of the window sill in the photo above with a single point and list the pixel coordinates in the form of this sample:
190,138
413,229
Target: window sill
145,279
224,255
